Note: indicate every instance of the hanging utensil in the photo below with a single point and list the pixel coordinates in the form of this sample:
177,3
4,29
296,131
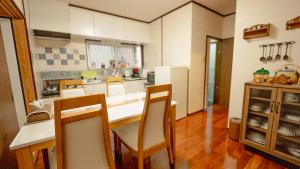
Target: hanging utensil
263,58
269,58
278,56
286,57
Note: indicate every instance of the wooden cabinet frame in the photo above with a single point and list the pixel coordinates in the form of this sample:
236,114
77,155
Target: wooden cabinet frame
273,118
245,115
276,126
10,10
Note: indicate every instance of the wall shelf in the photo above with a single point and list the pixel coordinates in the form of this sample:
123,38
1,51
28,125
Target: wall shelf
257,31
293,23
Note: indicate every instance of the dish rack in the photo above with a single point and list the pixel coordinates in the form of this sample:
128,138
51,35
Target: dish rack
279,107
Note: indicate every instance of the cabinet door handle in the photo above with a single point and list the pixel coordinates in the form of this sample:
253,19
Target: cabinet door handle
272,106
278,107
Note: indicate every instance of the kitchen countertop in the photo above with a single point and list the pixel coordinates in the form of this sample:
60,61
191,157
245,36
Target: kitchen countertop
103,82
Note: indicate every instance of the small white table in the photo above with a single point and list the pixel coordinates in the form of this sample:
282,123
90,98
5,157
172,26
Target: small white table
122,110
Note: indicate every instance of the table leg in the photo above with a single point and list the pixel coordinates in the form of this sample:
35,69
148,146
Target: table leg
25,159
46,158
173,130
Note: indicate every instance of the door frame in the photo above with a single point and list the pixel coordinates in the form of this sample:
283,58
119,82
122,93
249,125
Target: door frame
8,9
206,75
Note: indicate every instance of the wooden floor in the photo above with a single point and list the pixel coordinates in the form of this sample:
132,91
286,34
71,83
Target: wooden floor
203,143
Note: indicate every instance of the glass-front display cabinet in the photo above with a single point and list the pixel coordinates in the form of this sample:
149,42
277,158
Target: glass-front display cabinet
286,127
271,120
258,116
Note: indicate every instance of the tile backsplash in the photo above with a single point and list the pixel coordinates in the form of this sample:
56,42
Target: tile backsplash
58,55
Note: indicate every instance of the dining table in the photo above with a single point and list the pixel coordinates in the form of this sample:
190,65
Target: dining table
121,110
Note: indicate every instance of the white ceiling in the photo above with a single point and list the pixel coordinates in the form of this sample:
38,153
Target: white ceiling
147,10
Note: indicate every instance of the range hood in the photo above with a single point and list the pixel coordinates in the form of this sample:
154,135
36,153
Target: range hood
53,35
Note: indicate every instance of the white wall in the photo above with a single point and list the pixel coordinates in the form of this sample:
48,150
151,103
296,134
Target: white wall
19,3
177,32
246,53
228,26
205,23
152,50
12,64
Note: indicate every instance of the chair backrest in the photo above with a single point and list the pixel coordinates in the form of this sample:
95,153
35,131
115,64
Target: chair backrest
154,126
115,86
71,92
82,139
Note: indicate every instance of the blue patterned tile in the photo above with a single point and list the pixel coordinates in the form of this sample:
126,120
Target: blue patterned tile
64,62
50,62
75,51
76,62
70,56
62,50
42,56
82,57
48,50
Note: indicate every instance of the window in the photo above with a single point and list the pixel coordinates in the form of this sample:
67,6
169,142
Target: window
104,55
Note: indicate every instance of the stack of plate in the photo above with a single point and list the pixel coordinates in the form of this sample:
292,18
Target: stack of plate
291,98
256,137
292,117
294,151
254,122
258,107
286,131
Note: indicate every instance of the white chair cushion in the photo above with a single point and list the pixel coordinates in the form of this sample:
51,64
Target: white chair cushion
69,93
129,134
116,89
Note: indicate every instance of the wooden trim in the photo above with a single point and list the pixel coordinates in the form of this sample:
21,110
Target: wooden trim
84,101
171,11
138,20
233,13
196,3
205,7
113,79
108,13
206,74
9,9
77,102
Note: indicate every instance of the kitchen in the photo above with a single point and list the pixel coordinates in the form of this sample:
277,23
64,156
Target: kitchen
71,40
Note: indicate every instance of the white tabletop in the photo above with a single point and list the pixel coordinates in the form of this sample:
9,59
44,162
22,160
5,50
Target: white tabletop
44,131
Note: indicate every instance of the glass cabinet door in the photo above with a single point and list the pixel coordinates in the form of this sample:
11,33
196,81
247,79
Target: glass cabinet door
258,116
286,129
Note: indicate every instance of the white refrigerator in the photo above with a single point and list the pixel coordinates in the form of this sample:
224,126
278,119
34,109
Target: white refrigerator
178,77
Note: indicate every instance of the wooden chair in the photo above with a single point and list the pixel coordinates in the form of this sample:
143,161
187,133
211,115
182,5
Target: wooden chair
82,138
72,92
152,133
115,86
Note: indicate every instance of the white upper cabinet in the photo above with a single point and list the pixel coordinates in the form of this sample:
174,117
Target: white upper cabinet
82,21
49,15
136,31
108,26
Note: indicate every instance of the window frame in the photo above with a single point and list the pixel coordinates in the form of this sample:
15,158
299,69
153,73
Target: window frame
111,43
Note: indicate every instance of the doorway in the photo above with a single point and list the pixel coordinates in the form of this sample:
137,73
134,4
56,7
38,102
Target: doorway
218,71
13,113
